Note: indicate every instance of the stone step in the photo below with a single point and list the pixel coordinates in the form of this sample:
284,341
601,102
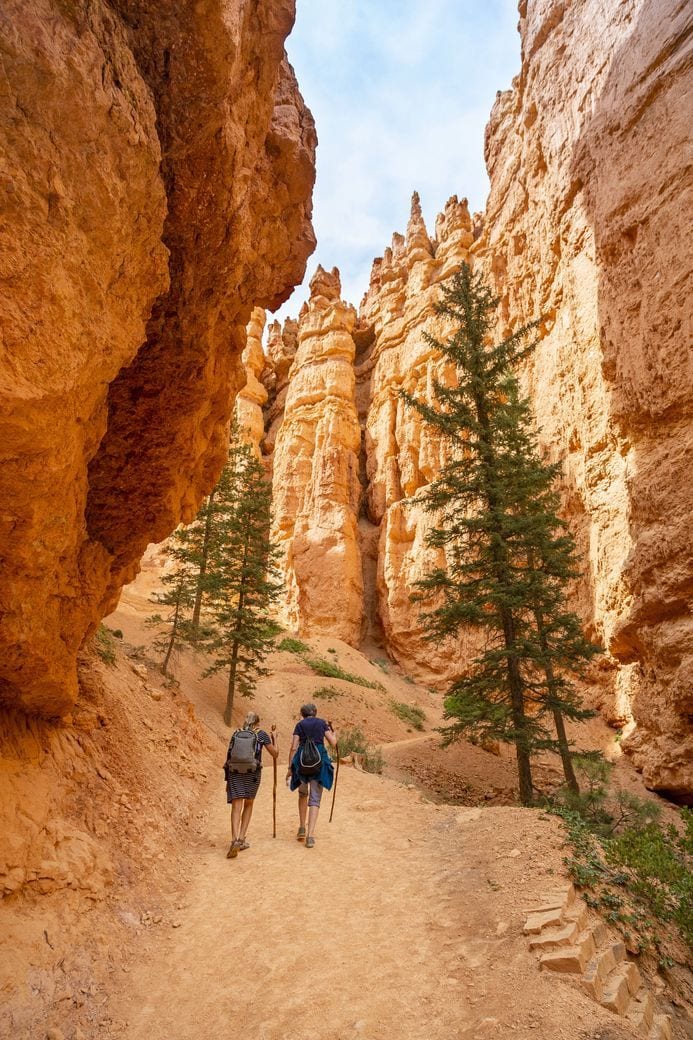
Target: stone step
570,959
543,919
600,967
601,935
661,1028
578,914
560,898
621,985
641,1012
565,936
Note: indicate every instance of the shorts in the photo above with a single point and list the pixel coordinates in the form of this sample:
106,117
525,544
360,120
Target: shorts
313,789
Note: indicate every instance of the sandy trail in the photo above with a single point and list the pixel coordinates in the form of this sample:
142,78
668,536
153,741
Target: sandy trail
401,922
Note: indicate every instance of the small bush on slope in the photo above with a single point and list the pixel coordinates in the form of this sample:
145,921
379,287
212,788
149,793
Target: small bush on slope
104,645
352,741
632,868
326,693
293,646
333,671
409,713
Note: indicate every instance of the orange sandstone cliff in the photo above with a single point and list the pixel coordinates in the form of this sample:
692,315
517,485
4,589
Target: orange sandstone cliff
584,231
156,173
587,228
316,487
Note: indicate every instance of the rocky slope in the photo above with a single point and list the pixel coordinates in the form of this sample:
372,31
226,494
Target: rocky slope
157,173
591,243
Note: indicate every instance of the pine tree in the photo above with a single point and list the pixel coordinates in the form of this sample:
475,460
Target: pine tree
205,526
241,579
180,590
508,555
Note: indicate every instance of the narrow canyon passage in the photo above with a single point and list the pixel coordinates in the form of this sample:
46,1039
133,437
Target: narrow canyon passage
402,922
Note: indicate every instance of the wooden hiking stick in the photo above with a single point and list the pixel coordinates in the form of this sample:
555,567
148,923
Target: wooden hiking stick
274,788
336,778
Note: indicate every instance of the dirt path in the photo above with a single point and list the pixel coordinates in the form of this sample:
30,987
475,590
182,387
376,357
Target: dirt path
402,922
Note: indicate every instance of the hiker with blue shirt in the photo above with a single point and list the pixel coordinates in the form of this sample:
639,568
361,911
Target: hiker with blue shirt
309,777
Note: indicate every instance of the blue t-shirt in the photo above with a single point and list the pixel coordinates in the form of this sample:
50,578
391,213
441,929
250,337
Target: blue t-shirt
311,729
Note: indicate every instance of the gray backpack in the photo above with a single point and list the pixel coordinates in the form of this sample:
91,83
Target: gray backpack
240,758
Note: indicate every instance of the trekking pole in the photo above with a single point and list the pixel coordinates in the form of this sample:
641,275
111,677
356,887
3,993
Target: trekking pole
274,788
336,779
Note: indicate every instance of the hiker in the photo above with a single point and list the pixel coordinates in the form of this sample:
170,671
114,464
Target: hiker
243,771
310,778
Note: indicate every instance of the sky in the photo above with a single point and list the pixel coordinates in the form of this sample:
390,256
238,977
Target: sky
401,92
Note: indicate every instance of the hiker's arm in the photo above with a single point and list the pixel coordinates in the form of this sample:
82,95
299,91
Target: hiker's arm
292,752
273,749
331,737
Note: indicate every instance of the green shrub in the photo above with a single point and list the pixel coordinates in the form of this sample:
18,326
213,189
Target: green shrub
331,650
372,761
293,646
326,693
117,633
104,645
384,665
331,670
352,741
408,713
632,868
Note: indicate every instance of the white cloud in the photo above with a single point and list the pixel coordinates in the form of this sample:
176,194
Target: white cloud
401,91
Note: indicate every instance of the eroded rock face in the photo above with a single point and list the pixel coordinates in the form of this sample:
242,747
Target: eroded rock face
585,229
316,488
157,172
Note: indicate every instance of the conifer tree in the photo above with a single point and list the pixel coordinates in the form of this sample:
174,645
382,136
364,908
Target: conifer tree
241,579
181,586
508,555
205,522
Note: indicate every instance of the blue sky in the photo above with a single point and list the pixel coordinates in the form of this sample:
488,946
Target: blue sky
401,92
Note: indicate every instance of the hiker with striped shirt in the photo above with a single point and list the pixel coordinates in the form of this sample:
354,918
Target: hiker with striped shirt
243,782
310,788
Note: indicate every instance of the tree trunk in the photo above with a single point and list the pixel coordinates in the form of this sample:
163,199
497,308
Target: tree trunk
174,632
195,624
236,643
563,748
566,757
517,706
517,700
228,711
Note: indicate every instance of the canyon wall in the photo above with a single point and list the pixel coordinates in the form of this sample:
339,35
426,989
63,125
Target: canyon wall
587,229
585,232
156,171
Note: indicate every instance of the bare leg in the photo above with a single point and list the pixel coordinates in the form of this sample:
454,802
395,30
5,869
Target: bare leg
245,818
302,808
236,809
312,819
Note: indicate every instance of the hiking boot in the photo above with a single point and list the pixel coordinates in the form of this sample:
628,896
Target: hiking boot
243,844
233,850
310,842
300,834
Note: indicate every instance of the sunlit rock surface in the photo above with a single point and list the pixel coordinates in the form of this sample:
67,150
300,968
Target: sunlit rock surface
157,169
